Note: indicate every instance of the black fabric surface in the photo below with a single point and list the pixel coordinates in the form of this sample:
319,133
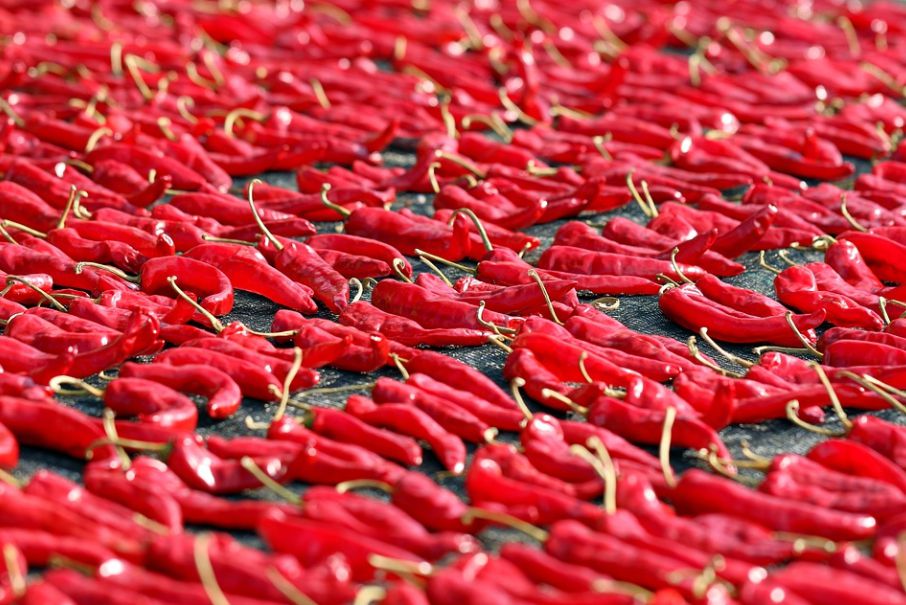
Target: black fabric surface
638,312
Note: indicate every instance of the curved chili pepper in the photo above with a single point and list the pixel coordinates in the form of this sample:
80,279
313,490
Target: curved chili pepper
361,351
455,373
384,521
430,310
223,394
688,307
411,421
697,492
252,380
363,246
366,317
114,484
567,259
313,542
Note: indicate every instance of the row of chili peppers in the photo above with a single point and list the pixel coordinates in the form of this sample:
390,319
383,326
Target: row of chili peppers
101,129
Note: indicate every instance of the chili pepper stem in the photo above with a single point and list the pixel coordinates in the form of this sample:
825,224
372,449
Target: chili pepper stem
762,261
432,176
534,170
482,232
442,260
80,267
360,289
421,568
346,486
399,265
676,266
509,105
664,446
692,345
599,142
498,342
749,453
9,479
649,200
150,524
606,303
7,224
646,210
433,268
785,257
880,392
533,531
882,305
609,475
500,330
399,363
575,407
369,594
516,384
132,444
362,386
849,217
261,226
335,207
17,583
73,195
215,323
811,349
249,464
6,235
547,299
730,356
231,118
792,414
15,279
287,383
286,588
582,369
205,570
226,240
766,348
56,383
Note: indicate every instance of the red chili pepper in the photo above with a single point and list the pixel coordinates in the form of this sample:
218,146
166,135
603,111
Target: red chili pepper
687,306
432,311
383,521
115,484
457,374
698,493
361,351
204,471
153,403
347,428
145,160
494,415
567,259
820,583
411,421
451,416
368,318
798,287
363,246
854,458
313,542
408,233
253,381
266,362
223,394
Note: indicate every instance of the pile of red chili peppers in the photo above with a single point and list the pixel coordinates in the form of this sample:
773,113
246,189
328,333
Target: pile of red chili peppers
129,215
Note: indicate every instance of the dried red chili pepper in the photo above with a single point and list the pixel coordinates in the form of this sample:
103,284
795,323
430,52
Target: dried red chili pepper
247,270
698,493
411,421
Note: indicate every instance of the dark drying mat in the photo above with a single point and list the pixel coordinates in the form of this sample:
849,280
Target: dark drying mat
640,313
